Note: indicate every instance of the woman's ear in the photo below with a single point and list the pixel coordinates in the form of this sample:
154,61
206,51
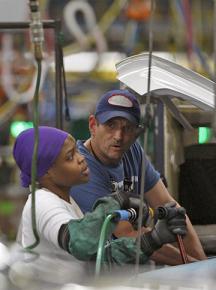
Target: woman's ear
43,180
46,176
92,124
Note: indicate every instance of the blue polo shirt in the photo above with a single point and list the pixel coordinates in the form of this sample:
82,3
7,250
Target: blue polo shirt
106,179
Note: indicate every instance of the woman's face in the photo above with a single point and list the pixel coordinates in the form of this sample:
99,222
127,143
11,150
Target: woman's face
70,167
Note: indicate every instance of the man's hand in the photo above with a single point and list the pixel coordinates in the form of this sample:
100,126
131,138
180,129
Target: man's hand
173,222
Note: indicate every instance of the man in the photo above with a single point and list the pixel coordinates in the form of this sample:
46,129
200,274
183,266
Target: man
114,158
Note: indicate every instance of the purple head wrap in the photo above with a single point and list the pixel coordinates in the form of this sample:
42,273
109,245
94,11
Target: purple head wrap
51,141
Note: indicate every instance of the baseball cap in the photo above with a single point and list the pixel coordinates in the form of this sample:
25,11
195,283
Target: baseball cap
118,103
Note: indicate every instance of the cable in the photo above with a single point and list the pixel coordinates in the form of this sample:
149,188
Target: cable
186,17
70,11
119,215
146,116
37,38
63,76
105,22
214,116
189,31
34,159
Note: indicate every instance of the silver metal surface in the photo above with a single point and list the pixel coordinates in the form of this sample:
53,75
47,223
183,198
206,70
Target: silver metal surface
167,79
198,275
34,271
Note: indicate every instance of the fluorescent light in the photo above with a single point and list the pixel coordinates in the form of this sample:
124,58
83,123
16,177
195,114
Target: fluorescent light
85,62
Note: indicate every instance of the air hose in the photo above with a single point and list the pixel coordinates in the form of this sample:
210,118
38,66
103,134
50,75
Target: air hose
118,215
37,39
101,244
34,158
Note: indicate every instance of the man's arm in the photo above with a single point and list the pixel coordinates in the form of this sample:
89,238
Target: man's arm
167,255
158,196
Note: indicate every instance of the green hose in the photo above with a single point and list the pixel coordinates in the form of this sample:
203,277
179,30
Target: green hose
34,158
102,240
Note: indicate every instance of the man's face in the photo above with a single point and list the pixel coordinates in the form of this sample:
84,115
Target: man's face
112,138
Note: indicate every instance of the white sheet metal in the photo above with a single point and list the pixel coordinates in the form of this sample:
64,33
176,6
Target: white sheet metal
167,79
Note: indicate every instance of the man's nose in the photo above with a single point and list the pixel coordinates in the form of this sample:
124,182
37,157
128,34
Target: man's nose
118,135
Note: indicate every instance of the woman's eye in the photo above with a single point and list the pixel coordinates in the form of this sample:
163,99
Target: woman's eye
70,157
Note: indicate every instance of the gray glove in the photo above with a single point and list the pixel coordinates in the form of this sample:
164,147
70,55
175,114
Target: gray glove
170,223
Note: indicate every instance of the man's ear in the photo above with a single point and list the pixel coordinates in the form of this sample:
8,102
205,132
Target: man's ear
92,124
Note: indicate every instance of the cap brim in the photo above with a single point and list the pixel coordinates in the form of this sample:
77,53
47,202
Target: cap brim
103,117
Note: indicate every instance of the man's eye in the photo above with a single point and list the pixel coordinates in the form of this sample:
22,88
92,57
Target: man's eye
111,125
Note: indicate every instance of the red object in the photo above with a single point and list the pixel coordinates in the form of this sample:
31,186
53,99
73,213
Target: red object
139,10
182,249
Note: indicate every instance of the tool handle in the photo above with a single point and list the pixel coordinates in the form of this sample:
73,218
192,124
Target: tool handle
182,249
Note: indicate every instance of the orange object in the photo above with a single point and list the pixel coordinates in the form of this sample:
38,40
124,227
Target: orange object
138,10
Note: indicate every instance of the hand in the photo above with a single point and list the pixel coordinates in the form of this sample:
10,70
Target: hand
174,216
165,230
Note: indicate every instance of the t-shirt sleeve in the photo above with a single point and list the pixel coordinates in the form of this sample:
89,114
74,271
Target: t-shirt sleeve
51,213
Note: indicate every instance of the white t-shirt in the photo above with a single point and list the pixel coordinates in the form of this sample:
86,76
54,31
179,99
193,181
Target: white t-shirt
51,213
52,264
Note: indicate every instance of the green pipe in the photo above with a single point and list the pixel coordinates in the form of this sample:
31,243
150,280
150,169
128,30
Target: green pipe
34,157
101,244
